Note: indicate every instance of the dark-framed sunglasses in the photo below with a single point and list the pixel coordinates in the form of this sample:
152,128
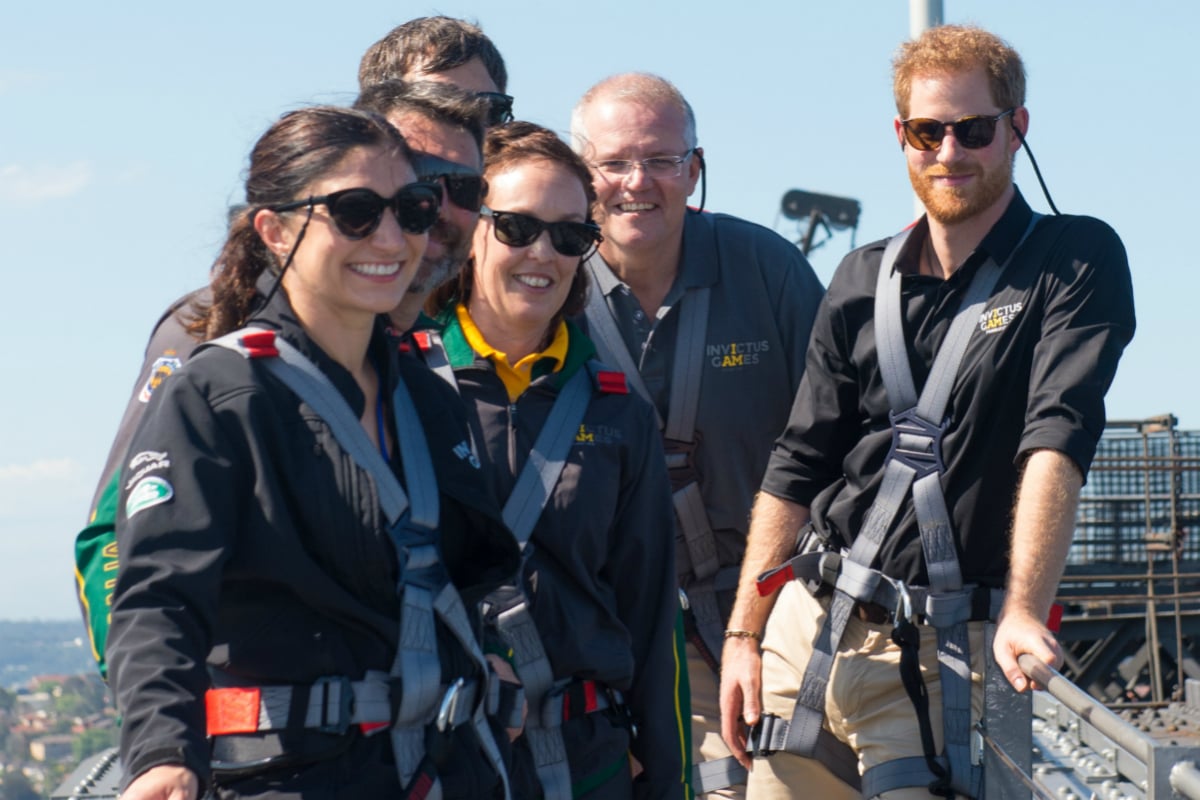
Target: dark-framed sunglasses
465,187
971,132
358,212
522,230
499,107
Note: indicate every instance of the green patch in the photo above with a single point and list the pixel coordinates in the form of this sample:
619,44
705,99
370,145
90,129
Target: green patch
149,492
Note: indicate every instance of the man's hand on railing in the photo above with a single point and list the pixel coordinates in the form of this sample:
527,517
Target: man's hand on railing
1018,633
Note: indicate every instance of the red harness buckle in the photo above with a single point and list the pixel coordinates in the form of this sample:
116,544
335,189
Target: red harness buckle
612,382
772,579
232,710
259,344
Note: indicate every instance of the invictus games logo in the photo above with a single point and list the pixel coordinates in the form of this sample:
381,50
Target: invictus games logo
736,354
597,434
997,319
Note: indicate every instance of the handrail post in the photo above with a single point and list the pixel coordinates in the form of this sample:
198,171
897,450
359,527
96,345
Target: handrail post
1007,722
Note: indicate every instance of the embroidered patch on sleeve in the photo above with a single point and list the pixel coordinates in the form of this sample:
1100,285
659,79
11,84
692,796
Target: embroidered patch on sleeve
150,491
160,370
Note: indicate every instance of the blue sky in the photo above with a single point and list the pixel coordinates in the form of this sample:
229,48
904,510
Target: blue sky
124,130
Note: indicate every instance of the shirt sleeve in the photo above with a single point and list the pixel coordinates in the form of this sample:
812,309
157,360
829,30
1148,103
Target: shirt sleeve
1087,322
647,604
169,345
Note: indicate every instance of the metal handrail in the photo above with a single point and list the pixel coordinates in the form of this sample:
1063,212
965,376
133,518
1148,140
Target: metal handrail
1185,779
1087,707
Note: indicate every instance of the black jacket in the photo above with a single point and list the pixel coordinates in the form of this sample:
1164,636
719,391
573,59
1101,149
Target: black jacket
600,566
254,551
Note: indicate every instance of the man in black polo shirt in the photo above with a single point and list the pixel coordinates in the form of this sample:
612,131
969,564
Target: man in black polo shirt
1024,411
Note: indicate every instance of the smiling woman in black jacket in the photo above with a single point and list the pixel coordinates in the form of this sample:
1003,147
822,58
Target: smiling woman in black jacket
599,570
289,618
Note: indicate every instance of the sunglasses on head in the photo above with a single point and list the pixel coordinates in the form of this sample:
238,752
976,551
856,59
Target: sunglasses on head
522,230
499,107
464,186
358,212
970,132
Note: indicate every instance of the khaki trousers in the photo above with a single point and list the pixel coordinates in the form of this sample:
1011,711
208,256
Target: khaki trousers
865,703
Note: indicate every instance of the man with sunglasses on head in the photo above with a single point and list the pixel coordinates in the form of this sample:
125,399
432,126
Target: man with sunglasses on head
932,464
709,316
445,124
446,50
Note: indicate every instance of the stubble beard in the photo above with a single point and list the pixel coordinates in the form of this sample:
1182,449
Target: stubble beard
949,206
433,274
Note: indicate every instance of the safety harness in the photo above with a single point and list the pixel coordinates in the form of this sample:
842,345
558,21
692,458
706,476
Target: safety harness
915,463
551,702
697,561
425,711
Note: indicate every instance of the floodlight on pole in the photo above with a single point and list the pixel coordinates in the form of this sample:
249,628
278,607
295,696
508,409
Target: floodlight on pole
821,210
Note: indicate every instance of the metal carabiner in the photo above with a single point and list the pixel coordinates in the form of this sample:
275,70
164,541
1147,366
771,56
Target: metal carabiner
449,705
904,605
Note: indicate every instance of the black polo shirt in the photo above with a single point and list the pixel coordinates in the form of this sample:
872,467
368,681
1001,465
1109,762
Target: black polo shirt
1034,376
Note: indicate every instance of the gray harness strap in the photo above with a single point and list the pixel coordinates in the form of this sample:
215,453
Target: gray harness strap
548,457
915,462
699,557
423,586
535,484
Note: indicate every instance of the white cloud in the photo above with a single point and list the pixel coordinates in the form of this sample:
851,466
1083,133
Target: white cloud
41,470
44,182
32,492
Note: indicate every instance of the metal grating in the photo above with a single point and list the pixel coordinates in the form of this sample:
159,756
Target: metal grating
1142,498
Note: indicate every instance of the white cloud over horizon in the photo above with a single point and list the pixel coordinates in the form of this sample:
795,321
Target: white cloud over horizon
20,183
39,470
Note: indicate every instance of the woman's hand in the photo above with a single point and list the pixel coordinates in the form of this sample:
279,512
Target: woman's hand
165,782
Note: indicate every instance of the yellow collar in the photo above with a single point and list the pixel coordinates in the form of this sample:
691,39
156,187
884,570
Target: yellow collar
516,377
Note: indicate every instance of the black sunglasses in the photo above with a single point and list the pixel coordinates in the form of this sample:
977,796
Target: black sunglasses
522,230
499,107
464,186
358,212
970,132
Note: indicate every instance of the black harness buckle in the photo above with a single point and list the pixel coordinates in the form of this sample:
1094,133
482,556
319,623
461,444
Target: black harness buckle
917,442
344,699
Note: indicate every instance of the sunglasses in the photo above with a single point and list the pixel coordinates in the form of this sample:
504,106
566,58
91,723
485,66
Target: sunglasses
499,107
970,132
358,212
522,230
464,186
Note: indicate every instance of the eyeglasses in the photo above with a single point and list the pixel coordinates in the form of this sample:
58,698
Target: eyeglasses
499,107
653,167
522,230
464,186
358,212
970,132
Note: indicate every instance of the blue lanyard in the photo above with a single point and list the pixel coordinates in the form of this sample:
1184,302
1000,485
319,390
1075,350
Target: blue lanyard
383,449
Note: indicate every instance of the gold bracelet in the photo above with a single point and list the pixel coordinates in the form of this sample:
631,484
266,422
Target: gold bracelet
733,633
